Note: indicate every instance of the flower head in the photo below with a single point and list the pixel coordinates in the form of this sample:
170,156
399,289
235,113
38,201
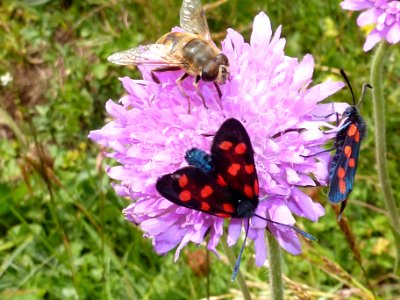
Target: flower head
268,92
384,14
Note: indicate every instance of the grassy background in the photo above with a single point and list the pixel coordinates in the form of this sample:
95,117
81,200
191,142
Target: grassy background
62,234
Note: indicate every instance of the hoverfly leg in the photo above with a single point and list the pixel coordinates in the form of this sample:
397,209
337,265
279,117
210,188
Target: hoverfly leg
178,82
162,69
196,86
219,94
154,77
218,90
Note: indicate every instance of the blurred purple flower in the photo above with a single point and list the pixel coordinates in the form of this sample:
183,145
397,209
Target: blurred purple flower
384,14
267,91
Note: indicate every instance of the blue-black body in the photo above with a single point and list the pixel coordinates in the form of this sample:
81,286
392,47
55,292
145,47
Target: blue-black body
204,161
200,159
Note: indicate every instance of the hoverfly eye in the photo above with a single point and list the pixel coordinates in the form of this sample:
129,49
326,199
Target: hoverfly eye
221,59
210,71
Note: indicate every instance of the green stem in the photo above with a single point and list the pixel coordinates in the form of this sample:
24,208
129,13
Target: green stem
232,261
275,267
380,140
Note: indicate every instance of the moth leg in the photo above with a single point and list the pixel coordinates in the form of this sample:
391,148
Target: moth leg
196,86
337,122
178,82
162,69
327,116
331,114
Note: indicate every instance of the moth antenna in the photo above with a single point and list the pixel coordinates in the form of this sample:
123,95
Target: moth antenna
320,152
344,75
298,230
363,92
237,264
267,196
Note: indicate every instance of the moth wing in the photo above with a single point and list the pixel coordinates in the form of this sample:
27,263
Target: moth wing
233,156
151,55
342,178
192,188
193,19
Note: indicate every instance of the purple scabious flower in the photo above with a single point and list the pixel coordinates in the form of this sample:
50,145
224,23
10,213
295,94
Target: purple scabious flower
384,14
269,93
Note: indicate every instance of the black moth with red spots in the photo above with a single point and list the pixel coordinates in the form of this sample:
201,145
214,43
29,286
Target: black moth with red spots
223,184
344,163
229,189
343,166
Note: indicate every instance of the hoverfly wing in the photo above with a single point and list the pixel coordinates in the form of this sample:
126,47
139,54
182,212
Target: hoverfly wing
153,54
193,19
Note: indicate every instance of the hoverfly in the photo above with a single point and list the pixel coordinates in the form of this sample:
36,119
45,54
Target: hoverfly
192,51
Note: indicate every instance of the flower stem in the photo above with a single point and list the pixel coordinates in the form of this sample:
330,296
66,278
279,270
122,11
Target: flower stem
240,278
275,268
380,140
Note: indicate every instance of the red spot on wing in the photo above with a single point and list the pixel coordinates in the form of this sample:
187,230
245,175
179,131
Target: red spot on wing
240,148
352,163
352,130
223,215
225,145
221,181
248,191
205,206
341,172
228,207
347,151
185,196
342,186
234,169
357,137
183,180
256,189
249,169
206,191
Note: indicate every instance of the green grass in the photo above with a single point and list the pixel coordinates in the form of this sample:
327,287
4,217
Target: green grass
63,235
